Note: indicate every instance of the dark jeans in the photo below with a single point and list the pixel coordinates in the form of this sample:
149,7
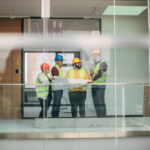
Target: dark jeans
56,105
98,94
77,98
47,104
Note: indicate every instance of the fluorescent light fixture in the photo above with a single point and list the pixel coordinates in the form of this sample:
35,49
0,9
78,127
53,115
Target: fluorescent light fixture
124,10
45,8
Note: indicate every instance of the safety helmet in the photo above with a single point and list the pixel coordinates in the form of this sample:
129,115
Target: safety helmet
58,57
45,66
76,60
96,51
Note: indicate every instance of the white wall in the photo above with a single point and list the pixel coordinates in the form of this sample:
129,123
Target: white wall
131,64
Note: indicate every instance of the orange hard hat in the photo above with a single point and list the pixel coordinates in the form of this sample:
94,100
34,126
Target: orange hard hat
45,66
76,60
96,51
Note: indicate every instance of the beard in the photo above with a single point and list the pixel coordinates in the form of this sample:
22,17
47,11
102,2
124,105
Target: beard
78,67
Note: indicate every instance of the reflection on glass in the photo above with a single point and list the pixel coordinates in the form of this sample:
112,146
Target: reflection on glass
32,65
117,89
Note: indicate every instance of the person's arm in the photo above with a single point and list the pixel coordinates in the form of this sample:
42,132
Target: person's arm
102,69
91,72
55,71
87,77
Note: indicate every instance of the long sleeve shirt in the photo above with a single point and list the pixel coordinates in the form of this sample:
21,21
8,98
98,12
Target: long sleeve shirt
55,71
42,80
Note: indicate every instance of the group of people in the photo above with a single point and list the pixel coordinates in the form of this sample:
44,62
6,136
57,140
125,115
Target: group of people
77,96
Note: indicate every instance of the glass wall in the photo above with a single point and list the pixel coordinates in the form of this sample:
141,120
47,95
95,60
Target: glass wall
131,61
99,72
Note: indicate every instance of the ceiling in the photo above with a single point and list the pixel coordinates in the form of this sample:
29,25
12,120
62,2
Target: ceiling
61,8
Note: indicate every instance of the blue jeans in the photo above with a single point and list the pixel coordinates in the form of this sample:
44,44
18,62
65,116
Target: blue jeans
56,105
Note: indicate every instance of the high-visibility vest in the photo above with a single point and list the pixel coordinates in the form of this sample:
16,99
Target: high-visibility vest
42,90
81,74
60,74
59,70
101,79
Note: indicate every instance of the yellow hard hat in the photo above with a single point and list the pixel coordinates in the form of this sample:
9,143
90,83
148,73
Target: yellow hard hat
96,51
76,60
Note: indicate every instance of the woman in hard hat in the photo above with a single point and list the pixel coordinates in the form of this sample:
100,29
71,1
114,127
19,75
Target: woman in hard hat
77,95
56,71
43,89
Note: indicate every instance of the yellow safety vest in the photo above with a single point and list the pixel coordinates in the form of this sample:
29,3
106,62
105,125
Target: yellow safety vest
59,70
81,74
41,89
101,79
60,74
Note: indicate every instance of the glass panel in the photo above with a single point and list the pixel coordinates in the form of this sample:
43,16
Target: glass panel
109,56
132,62
113,48
66,29
32,66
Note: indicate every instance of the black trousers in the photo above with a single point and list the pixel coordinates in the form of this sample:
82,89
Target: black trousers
57,101
77,98
47,104
98,94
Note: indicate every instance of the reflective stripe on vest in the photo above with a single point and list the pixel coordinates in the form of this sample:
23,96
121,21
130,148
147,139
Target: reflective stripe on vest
42,90
81,74
103,78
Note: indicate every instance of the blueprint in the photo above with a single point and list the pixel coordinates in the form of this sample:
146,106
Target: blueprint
62,83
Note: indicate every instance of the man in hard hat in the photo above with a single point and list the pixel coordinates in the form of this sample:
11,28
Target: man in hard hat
77,96
56,71
43,89
98,74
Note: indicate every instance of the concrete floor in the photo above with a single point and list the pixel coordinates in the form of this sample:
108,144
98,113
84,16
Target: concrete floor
75,125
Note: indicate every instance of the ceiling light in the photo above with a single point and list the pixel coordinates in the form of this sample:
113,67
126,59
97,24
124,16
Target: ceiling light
124,10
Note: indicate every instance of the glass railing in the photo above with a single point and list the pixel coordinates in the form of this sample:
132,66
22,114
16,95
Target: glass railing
127,109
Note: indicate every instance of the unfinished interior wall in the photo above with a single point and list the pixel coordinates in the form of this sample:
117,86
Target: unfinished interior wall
131,64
